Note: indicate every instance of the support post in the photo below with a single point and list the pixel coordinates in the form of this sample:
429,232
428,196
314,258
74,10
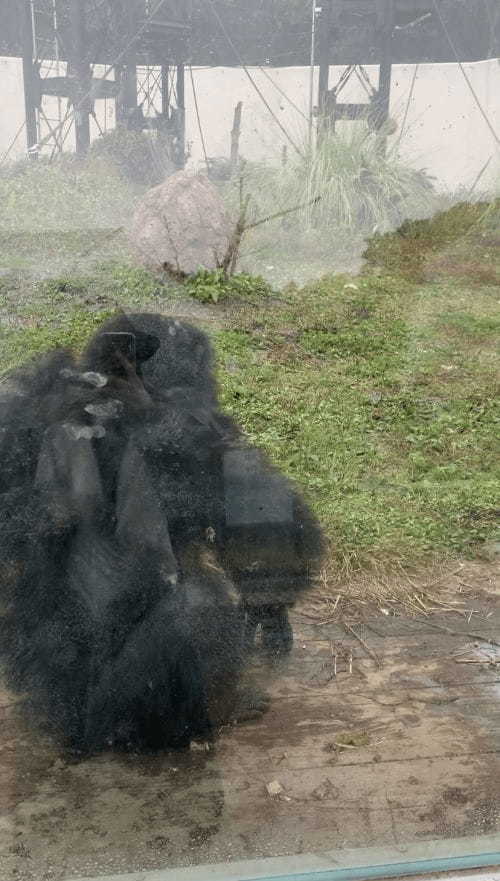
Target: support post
181,117
324,29
126,102
385,69
81,73
235,138
31,96
165,91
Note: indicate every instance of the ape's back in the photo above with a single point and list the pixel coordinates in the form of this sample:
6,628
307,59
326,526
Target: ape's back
267,536
97,633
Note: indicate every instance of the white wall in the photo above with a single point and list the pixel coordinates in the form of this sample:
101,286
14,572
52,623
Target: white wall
444,133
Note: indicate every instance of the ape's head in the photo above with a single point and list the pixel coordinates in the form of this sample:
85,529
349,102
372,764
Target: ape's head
169,353
119,338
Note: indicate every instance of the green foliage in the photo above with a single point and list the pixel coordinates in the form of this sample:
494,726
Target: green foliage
71,331
483,326
407,250
379,396
53,253
358,191
357,187
67,194
132,284
137,156
58,290
355,389
365,340
214,286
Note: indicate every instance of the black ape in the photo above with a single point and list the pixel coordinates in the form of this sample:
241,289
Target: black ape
116,639
141,536
264,534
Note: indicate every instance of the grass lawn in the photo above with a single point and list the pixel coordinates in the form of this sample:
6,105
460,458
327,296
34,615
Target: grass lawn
378,393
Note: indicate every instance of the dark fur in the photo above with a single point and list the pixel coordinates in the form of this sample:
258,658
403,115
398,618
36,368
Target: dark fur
125,587
115,640
272,564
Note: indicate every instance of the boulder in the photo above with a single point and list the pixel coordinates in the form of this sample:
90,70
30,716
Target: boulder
181,225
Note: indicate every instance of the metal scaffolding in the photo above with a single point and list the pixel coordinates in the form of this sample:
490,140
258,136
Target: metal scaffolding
148,96
375,111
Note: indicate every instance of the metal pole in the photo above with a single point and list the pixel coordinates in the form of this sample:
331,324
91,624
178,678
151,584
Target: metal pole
235,138
385,69
165,91
325,23
311,73
29,81
126,102
82,76
58,66
181,116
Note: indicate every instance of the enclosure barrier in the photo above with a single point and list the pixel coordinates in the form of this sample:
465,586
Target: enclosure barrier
364,864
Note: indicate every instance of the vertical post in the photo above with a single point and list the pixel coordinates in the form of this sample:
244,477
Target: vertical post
235,138
126,102
165,91
59,142
82,76
126,72
324,27
311,73
385,69
31,97
167,123
181,116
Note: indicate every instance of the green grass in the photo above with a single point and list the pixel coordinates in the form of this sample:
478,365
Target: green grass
398,450
378,393
462,242
215,286
69,331
65,195
38,311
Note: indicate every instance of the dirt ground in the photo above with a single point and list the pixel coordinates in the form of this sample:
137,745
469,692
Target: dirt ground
403,748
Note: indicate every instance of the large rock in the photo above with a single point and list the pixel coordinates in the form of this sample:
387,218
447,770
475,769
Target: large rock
181,225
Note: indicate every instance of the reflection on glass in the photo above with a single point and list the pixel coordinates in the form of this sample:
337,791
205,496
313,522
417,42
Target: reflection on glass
249,584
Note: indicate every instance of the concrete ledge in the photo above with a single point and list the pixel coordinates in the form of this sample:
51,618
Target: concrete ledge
329,864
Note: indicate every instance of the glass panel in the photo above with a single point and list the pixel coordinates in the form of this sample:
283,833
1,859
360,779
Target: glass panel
249,438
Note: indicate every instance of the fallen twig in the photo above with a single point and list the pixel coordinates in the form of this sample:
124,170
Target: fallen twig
493,661
334,659
283,213
336,604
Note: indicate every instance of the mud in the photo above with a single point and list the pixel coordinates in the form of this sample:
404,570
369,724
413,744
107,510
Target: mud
404,751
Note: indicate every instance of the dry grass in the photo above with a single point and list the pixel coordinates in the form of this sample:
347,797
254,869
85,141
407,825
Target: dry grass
450,587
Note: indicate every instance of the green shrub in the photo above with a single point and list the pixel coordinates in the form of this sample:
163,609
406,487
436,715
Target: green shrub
213,286
358,188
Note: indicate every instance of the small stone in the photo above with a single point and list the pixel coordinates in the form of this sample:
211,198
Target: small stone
274,789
